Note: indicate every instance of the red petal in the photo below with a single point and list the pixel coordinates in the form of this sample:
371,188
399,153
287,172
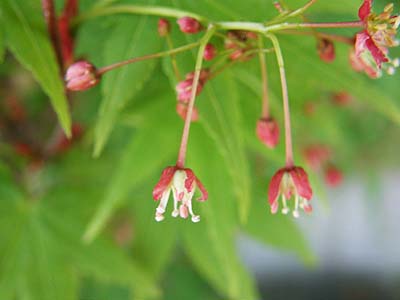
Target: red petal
361,40
376,52
365,10
300,180
268,132
204,193
273,189
190,178
165,179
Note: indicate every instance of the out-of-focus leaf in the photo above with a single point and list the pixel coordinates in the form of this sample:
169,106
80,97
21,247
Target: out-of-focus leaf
222,119
132,37
210,244
151,146
2,40
32,48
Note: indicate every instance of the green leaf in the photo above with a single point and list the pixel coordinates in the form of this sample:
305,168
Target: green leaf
132,37
32,48
2,40
210,244
221,117
149,150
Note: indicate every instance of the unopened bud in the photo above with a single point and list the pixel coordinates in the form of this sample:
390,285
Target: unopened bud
326,50
182,109
189,25
341,98
209,52
81,76
268,132
333,176
163,27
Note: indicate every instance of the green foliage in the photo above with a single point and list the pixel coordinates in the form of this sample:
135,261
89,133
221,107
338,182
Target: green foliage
28,42
57,234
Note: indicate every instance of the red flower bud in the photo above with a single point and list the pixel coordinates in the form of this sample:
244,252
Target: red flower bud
81,76
326,50
333,176
163,27
341,98
268,132
209,52
316,156
182,108
189,25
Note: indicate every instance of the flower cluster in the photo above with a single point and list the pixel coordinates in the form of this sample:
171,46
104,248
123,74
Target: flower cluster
370,52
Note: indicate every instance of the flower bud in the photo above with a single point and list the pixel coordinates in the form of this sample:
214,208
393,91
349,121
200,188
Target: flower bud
182,108
81,76
268,132
341,98
333,176
209,52
189,25
326,50
163,27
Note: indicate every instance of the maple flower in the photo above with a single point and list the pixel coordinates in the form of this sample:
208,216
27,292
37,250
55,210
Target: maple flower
184,88
189,25
326,50
333,176
268,132
182,108
372,44
288,182
183,183
163,27
316,156
81,76
209,52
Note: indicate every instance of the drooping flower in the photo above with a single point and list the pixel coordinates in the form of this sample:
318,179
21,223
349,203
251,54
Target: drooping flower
189,25
288,182
182,108
209,52
372,44
333,176
182,182
81,76
163,27
316,156
268,132
326,50
184,88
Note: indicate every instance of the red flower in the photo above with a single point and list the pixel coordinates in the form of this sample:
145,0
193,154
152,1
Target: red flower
209,52
184,88
371,45
189,25
316,156
81,76
183,183
333,176
182,108
163,27
268,132
326,50
288,182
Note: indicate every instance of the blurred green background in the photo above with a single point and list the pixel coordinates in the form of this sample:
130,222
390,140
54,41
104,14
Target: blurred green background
74,226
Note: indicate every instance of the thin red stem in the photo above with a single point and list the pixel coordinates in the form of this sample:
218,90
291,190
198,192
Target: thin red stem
52,28
353,24
285,98
180,163
327,36
264,80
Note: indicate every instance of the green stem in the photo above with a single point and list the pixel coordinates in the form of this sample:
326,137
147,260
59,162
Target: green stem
199,62
103,70
264,81
285,97
176,13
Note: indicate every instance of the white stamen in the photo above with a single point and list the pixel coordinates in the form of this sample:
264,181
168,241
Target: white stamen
285,209
159,217
296,214
391,70
396,62
175,213
296,207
